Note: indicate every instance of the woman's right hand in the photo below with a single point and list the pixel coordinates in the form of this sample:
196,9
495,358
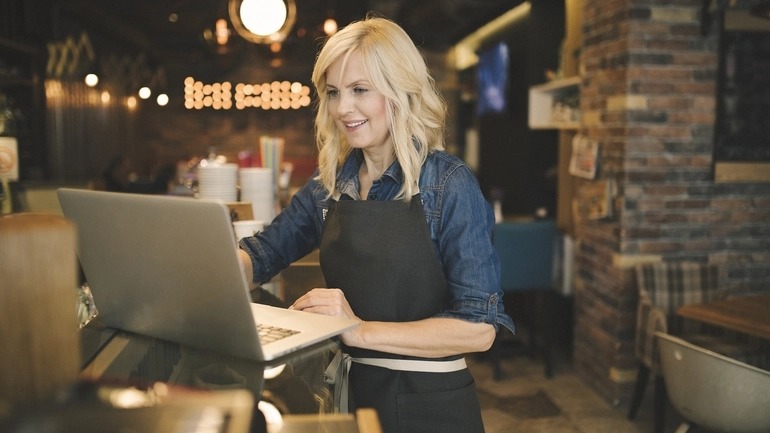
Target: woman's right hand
247,267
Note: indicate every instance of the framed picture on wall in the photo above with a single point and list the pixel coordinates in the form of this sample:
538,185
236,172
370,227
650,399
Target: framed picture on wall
593,200
584,158
9,159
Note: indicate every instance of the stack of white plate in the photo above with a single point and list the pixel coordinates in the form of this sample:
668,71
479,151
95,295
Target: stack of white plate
218,181
258,188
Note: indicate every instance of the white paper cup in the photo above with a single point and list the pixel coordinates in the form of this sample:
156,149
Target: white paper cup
246,228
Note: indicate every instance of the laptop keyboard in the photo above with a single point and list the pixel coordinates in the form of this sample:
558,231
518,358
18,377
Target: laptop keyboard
268,334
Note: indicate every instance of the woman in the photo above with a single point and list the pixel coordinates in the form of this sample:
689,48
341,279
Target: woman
404,235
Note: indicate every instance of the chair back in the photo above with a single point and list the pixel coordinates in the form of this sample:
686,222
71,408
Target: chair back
663,288
714,391
39,340
670,285
526,251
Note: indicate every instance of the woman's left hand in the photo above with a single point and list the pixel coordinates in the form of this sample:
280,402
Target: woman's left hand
432,337
331,302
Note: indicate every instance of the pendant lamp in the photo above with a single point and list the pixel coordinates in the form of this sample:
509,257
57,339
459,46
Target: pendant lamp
263,21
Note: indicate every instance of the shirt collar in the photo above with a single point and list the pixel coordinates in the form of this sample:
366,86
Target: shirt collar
347,179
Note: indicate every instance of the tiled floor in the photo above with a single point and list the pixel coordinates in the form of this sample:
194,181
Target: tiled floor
524,401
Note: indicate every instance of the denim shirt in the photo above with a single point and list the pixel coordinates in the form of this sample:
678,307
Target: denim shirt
459,219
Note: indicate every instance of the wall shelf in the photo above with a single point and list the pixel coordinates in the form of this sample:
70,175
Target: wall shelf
555,105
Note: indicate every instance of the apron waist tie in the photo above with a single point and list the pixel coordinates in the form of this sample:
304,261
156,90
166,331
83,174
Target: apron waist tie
418,365
337,372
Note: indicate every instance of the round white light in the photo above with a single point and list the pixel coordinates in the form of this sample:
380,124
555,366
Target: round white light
145,92
92,80
330,26
162,99
263,17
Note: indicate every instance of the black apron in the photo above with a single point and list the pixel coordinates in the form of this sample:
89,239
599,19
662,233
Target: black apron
379,253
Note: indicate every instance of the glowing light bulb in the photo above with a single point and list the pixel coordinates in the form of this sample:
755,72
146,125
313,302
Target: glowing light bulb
330,26
263,17
92,80
145,92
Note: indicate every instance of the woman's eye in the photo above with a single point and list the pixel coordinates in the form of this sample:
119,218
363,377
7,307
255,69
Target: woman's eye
359,90
333,93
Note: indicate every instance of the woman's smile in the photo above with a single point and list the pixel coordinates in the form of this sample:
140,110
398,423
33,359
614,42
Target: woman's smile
352,126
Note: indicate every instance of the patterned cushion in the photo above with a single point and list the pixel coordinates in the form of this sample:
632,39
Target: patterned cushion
663,288
668,286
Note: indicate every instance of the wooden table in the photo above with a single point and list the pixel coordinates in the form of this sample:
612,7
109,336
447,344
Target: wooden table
747,314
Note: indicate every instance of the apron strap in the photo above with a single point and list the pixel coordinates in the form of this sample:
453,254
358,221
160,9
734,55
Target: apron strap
339,368
337,374
417,365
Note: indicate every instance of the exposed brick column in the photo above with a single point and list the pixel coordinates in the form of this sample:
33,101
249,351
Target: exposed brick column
648,97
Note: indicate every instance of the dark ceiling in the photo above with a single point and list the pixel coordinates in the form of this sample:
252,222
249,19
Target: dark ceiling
433,24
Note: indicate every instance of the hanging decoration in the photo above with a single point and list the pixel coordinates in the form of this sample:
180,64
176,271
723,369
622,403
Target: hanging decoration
75,59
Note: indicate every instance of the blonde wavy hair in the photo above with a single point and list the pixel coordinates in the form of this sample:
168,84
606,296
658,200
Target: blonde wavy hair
416,110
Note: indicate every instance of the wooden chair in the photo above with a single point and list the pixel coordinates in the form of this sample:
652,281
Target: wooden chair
713,391
39,339
664,287
526,251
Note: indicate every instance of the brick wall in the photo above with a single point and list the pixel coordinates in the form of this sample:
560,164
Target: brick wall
648,98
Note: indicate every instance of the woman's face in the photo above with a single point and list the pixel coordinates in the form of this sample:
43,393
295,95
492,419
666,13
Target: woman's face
358,110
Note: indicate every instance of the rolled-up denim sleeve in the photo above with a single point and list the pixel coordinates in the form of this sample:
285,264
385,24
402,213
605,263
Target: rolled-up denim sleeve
293,233
470,261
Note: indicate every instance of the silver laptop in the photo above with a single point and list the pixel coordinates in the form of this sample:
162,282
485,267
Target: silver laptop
167,267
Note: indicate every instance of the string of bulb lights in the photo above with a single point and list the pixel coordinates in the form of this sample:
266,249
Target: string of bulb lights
276,95
266,22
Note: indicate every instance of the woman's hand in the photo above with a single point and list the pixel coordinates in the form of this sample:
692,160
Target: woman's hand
431,337
247,267
331,302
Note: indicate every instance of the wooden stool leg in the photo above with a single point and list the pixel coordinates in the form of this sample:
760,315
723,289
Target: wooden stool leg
661,400
39,338
642,376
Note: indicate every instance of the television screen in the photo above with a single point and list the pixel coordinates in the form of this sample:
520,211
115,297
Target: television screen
492,79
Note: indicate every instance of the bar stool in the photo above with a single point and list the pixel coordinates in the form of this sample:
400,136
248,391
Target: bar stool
39,338
526,251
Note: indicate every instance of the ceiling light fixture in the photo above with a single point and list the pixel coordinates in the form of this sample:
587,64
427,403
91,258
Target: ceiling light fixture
221,32
330,26
162,99
91,79
465,50
263,21
144,92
